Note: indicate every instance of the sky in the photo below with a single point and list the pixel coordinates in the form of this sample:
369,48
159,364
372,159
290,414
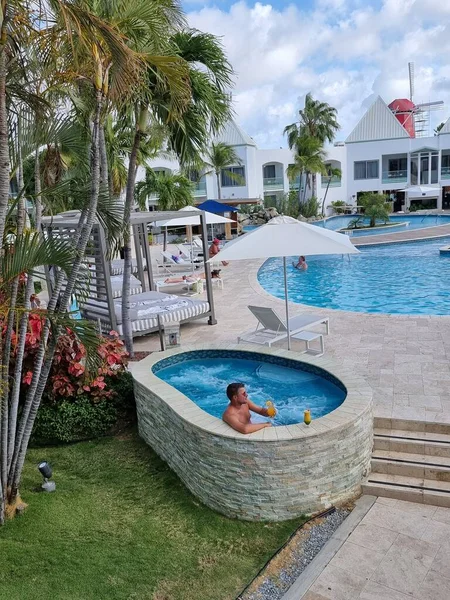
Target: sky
345,52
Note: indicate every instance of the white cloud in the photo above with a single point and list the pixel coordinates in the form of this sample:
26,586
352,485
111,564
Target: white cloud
344,51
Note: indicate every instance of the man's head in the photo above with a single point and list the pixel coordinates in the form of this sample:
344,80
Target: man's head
236,393
215,274
216,241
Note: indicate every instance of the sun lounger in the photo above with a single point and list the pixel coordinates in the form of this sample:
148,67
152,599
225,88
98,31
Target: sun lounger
145,309
271,328
169,264
116,285
117,266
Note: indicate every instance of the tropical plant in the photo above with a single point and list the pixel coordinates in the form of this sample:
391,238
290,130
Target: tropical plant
376,207
317,120
438,128
330,173
309,159
338,206
191,111
309,208
174,191
219,158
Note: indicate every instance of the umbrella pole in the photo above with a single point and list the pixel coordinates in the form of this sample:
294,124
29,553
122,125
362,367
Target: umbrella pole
287,303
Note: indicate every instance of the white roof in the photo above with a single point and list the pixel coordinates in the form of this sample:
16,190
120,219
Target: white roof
233,135
446,128
379,123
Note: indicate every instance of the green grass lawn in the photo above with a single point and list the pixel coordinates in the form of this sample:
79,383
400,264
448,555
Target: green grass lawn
122,526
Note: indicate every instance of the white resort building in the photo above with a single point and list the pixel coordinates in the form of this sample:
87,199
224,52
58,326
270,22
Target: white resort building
386,153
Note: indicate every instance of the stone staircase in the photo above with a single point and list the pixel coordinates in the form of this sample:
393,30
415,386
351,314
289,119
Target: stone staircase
410,461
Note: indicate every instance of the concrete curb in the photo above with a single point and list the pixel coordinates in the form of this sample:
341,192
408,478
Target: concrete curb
302,584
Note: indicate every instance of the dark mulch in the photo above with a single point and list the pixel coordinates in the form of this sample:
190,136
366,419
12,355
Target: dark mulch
139,356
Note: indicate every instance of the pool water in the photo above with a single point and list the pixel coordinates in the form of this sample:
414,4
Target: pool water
412,222
204,381
407,278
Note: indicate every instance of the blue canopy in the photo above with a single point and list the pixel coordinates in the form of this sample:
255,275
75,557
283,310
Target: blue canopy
215,207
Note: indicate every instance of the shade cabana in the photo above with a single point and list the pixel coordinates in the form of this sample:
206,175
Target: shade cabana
149,308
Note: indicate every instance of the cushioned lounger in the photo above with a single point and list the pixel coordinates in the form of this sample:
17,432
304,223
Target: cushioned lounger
116,285
145,308
117,266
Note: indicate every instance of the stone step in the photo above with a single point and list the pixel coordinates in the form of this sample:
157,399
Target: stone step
409,425
412,442
411,465
411,489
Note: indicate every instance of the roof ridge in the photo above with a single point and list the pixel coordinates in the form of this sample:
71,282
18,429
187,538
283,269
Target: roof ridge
377,123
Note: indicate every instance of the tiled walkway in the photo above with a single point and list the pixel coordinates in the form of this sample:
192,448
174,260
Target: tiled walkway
399,551
405,359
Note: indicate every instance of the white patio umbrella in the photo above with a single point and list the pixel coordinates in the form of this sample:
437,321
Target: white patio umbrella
282,237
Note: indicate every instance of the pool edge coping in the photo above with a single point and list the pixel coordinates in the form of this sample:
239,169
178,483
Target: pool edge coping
359,395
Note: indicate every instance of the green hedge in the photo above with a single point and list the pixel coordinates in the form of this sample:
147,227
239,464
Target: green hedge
80,418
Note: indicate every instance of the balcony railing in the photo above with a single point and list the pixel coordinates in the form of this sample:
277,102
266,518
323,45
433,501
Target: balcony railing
334,182
445,173
273,183
295,184
395,176
200,188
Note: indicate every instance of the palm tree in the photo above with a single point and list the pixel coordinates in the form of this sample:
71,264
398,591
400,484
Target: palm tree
219,158
376,207
190,113
316,120
331,172
308,159
174,191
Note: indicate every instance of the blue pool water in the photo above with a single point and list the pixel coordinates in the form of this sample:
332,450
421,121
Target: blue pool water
248,228
292,390
411,278
404,222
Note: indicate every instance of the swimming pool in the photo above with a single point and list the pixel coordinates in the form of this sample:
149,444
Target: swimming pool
292,390
407,278
397,222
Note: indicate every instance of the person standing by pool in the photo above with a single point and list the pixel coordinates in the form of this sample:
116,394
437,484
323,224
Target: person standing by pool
237,414
302,264
214,250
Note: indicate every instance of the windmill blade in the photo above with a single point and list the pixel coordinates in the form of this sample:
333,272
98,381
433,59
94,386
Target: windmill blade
411,80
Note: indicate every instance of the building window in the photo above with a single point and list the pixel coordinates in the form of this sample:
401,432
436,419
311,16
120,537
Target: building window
366,169
237,180
269,172
398,164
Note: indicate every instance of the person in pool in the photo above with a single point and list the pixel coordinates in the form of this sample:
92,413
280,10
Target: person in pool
237,414
301,264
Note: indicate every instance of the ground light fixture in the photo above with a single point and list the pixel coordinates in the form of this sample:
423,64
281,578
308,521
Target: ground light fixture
46,472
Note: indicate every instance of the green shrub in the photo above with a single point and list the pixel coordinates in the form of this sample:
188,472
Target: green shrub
73,420
86,417
337,206
309,208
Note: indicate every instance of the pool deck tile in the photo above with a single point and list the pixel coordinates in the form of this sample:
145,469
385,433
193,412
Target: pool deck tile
375,347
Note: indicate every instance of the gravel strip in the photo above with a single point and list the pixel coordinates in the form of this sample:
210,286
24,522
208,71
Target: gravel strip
284,568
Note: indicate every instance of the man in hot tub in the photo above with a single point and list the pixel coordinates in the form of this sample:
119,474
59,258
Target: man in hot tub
237,414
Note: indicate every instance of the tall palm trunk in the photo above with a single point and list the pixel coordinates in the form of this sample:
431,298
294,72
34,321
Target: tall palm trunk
141,125
41,369
23,327
325,197
4,149
219,189
314,184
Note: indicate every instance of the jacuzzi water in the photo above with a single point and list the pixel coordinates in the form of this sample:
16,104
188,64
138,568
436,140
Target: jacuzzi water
292,391
396,223
408,278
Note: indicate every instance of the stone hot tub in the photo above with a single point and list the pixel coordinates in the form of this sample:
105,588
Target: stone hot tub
274,474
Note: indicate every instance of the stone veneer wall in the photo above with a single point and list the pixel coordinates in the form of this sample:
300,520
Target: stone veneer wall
241,476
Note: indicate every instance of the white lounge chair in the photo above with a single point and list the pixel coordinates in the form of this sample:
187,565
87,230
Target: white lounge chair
271,328
169,264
